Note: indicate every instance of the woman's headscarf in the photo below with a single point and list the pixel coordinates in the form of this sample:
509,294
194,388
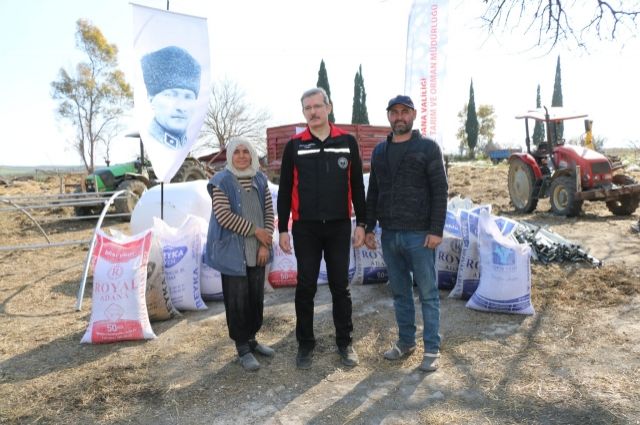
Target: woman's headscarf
231,148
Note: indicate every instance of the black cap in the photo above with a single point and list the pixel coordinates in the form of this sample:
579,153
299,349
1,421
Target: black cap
401,100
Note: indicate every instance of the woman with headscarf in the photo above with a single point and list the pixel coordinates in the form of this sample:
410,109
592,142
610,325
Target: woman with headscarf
239,245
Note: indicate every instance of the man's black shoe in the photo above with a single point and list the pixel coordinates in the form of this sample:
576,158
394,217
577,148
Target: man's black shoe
348,356
304,358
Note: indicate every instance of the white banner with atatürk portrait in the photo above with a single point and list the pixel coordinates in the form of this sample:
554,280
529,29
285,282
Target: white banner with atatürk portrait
171,84
426,64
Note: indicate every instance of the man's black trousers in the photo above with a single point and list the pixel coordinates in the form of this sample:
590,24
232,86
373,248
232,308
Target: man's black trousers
312,239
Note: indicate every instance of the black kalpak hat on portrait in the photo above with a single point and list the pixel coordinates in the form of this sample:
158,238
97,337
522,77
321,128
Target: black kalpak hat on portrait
171,67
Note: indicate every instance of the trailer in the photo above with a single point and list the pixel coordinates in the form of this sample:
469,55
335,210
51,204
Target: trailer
497,155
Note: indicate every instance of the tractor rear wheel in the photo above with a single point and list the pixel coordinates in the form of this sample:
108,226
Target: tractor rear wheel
626,204
563,196
521,182
188,171
126,203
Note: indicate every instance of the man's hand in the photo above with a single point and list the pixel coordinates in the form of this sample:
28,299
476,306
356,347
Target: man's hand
358,237
285,243
263,255
432,241
370,240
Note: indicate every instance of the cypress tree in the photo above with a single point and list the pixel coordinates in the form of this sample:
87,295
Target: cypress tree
359,114
538,130
471,125
556,100
323,81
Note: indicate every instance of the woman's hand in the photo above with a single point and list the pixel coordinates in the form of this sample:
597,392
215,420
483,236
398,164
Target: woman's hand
264,237
263,256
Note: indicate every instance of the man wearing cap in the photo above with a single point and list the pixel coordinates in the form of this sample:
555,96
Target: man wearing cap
321,184
407,197
172,78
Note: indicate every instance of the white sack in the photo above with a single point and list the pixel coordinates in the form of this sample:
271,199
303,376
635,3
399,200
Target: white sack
159,305
119,310
182,248
370,267
180,200
159,302
505,281
210,280
448,252
468,267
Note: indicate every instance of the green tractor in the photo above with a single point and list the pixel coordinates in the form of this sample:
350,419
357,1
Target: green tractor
135,177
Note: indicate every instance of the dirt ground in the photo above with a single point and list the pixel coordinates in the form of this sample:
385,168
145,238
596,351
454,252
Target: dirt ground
576,361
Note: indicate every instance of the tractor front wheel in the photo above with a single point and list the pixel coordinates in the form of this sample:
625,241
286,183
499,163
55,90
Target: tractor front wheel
563,196
127,202
521,182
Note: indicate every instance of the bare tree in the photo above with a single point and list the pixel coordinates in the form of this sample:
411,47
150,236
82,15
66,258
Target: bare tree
230,116
558,21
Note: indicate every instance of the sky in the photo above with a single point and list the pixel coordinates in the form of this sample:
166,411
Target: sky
272,50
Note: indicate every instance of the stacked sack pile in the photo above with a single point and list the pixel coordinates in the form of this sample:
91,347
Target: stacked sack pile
480,261
159,271
365,266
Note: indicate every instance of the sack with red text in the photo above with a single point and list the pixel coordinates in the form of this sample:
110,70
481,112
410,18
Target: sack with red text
119,310
284,268
182,249
159,305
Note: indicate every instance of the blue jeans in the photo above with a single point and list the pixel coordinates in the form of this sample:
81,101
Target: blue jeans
404,252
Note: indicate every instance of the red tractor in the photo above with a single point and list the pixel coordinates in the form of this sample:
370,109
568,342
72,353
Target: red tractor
568,175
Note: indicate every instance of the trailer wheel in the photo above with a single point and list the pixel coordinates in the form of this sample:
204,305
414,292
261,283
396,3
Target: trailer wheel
563,196
626,204
521,183
126,203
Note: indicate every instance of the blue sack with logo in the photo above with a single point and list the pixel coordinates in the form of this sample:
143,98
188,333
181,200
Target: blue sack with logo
182,252
505,272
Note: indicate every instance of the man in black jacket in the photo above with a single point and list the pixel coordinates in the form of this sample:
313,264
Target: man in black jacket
407,196
320,184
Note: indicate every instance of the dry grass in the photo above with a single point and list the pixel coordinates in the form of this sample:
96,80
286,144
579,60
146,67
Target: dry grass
575,361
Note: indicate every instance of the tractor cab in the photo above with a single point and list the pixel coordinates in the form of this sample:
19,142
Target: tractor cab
566,174
552,118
